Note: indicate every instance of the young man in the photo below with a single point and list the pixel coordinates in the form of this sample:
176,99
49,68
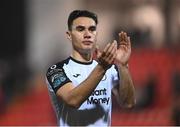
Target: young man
80,87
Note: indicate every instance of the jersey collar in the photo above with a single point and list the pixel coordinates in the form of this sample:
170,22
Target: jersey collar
85,63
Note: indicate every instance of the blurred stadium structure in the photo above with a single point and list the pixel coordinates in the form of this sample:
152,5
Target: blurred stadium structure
34,38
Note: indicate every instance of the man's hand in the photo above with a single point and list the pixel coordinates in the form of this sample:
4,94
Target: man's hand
113,52
107,56
123,49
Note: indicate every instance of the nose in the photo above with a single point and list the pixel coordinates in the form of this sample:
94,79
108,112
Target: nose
87,34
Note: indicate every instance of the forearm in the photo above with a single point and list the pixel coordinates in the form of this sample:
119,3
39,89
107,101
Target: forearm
80,93
126,88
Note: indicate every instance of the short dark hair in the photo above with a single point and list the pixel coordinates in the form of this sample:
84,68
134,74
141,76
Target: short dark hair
80,13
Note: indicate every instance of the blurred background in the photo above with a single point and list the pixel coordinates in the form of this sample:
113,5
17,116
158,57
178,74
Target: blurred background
33,38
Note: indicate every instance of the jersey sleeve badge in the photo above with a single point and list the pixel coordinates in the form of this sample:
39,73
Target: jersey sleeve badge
57,77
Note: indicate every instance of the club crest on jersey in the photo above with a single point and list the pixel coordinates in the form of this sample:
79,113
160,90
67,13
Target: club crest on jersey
57,79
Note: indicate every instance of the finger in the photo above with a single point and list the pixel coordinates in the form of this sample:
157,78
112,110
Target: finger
106,48
112,59
113,51
125,37
113,45
120,36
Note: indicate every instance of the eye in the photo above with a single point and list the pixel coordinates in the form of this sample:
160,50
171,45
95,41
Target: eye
80,28
92,28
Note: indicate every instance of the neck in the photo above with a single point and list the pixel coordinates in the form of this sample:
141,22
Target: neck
83,57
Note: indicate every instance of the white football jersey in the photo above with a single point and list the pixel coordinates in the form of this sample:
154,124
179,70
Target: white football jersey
96,110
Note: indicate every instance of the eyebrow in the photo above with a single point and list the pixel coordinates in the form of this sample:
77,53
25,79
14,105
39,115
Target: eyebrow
78,26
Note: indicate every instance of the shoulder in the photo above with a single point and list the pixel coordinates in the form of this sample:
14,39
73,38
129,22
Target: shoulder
57,66
56,75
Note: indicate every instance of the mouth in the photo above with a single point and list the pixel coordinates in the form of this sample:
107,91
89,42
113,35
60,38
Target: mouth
87,42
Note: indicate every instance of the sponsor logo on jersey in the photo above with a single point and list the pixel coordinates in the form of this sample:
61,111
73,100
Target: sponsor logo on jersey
98,97
76,75
57,79
54,71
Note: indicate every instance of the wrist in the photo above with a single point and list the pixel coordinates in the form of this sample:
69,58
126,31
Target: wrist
101,68
104,65
123,65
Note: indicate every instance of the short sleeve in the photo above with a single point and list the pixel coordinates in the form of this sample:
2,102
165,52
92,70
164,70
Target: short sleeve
56,77
115,75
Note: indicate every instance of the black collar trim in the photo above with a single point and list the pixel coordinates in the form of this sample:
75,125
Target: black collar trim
85,63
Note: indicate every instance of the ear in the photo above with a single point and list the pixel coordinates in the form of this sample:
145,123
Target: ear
69,35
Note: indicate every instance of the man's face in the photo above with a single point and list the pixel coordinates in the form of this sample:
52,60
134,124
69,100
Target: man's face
83,34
